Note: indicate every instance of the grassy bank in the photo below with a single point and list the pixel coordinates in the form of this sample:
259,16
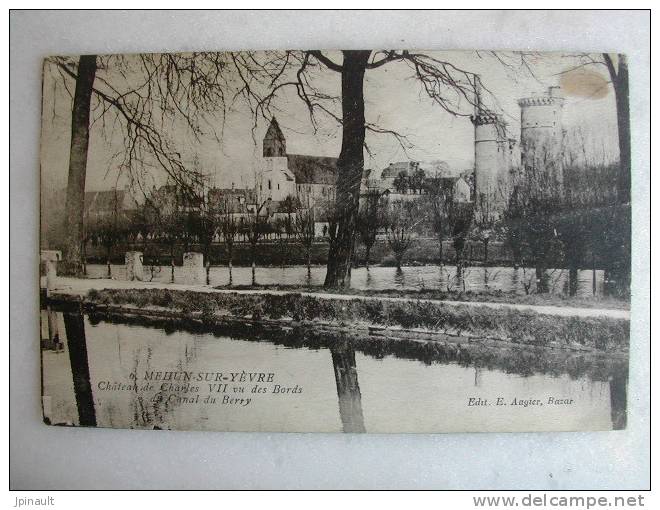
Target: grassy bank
523,327
491,296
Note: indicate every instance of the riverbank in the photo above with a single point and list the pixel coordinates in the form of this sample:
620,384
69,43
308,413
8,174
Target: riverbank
484,296
546,304
597,330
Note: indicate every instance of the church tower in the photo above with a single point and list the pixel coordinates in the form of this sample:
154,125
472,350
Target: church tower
275,180
274,142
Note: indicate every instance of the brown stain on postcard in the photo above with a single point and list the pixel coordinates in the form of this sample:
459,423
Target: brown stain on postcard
584,83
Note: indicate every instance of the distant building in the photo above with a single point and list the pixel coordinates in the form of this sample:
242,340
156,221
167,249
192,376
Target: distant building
101,205
407,180
312,179
239,203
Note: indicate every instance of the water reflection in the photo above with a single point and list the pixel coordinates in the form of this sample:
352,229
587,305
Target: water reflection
444,278
82,388
404,386
348,389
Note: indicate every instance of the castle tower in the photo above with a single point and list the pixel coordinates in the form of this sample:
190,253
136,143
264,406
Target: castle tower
274,145
492,162
542,134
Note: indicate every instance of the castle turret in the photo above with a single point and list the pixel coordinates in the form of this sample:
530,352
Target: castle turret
541,133
274,144
492,162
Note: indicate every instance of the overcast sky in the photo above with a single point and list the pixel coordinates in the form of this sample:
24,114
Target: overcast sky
393,100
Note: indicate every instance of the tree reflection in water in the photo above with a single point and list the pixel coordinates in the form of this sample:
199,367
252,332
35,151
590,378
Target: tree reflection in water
342,347
348,389
74,325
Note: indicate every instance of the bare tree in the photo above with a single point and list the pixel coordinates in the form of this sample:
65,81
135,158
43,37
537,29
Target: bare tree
257,223
460,219
403,219
107,228
228,231
417,180
533,213
370,220
304,230
439,198
206,223
617,70
446,84
139,96
401,183
75,195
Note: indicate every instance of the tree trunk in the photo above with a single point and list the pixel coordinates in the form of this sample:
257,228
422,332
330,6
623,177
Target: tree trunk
572,281
75,191
254,264
620,82
459,246
619,77
368,252
349,168
440,249
230,275
593,273
541,280
172,262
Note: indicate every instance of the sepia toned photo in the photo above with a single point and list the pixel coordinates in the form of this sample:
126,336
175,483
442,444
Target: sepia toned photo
386,241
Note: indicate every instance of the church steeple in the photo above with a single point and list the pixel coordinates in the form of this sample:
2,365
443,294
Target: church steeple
274,142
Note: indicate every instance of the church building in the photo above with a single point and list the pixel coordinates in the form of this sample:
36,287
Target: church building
312,179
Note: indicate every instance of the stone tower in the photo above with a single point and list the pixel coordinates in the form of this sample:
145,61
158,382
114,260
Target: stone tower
492,162
274,145
542,134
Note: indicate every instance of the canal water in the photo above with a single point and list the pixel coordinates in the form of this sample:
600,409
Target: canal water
380,278
137,373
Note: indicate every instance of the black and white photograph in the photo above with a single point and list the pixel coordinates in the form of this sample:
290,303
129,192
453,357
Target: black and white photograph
379,241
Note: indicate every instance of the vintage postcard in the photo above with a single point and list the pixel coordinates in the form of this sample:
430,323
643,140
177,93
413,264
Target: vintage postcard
381,241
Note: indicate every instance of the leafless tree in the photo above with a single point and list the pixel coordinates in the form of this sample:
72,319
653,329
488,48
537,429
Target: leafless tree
439,198
206,223
138,96
257,223
228,231
265,76
534,210
108,228
303,228
403,218
460,219
370,220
